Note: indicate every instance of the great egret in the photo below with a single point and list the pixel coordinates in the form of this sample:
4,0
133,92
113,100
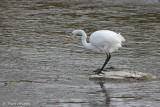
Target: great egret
102,41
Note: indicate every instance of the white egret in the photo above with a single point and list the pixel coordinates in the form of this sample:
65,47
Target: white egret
102,41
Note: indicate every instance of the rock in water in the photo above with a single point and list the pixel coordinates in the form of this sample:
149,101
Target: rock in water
123,75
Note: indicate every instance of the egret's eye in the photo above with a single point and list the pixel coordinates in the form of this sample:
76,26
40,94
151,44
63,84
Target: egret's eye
79,35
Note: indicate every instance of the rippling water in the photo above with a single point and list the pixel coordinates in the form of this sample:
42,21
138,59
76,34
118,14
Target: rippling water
42,70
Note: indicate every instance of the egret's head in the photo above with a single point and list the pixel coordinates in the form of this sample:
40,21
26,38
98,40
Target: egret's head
75,32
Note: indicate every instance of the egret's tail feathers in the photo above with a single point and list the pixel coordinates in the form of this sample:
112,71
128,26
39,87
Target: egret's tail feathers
121,37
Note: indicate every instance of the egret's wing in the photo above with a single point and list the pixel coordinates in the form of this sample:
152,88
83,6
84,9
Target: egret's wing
106,40
105,36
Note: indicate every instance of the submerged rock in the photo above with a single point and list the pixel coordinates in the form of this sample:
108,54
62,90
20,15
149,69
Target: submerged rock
123,75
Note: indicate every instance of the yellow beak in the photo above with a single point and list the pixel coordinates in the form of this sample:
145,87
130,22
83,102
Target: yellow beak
68,38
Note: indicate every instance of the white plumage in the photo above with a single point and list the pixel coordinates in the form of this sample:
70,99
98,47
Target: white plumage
106,40
103,41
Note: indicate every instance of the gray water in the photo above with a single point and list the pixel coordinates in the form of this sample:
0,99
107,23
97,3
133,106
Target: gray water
38,69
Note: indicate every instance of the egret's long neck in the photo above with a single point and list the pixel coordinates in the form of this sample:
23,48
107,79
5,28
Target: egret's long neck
84,42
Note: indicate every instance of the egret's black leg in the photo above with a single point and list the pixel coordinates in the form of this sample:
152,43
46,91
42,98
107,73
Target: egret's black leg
98,71
108,58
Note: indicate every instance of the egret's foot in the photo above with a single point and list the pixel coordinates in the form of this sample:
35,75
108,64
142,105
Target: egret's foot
98,71
111,67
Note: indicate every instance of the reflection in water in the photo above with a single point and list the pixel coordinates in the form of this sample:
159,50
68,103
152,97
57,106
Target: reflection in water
106,93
